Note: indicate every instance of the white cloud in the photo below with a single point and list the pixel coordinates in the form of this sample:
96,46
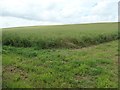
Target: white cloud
13,22
38,12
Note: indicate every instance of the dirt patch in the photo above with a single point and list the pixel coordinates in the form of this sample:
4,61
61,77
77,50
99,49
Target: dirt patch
13,69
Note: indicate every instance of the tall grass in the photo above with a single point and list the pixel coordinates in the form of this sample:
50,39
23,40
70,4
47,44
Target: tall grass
64,36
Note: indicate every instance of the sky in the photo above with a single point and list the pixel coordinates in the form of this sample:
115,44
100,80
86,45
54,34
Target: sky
15,13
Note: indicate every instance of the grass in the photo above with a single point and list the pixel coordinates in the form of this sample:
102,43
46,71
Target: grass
91,67
63,56
63,36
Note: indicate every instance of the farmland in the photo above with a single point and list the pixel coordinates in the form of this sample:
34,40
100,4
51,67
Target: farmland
63,36
61,56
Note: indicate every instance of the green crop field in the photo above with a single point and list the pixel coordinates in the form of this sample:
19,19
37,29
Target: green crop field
61,56
65,36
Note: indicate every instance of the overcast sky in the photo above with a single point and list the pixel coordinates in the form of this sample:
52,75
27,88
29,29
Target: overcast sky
15,13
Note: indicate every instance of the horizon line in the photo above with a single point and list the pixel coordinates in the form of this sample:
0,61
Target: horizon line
58,24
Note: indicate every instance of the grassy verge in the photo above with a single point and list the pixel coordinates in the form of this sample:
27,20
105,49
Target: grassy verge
95,66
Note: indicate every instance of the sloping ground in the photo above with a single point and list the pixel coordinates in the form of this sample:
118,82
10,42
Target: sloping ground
61,36
95,66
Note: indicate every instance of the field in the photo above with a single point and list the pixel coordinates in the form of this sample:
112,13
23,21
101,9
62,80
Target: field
65,56
65,36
